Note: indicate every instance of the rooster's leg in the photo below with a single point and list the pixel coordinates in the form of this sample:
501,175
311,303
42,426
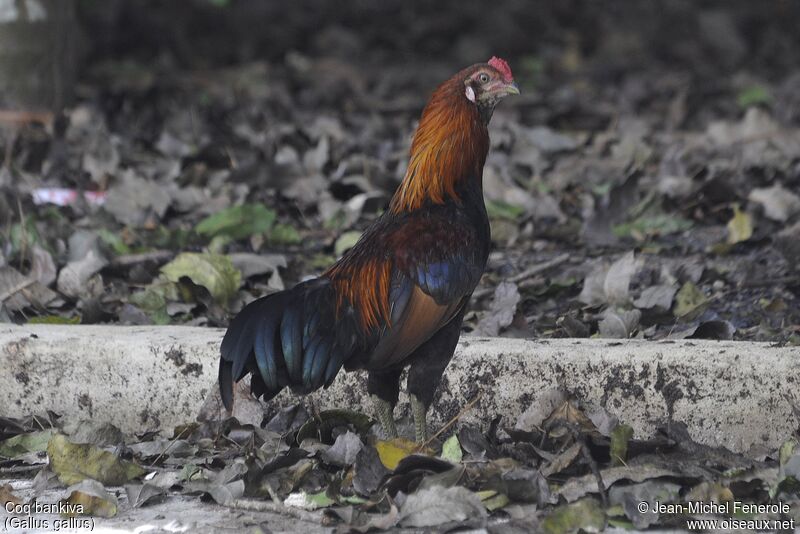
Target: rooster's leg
385,412
427,367
420,411
384,387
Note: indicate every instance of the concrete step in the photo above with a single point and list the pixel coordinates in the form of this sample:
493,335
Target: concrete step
734,394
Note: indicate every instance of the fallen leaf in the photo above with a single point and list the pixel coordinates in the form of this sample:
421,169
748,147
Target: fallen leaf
740,227
620,437
89,497
393,451
451,450
526,485
256,264
582,516
779,203
25,443
659,297
493,500
369,471
435,506
238,222
7,496
76,462
610,285
689,302
501,313
445,479
43,268
214,272
73,278
536,414
344,450
12,284
223,494
575,488
652,491
619,324
133,199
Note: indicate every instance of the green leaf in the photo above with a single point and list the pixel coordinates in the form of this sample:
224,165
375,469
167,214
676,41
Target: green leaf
24,235
153,300
190,472
319,500
238,222
584,515
654,225
114,241
214,272
451,450
346,241
689,302
753,96
284,234
493,500
25,443
74,462
620,437
497,209
740,227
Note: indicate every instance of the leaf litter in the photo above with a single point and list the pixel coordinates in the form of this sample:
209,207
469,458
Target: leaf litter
564,465
640,173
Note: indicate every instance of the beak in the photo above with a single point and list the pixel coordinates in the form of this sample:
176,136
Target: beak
512,89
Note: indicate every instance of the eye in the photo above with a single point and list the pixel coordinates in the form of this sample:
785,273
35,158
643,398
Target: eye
483,77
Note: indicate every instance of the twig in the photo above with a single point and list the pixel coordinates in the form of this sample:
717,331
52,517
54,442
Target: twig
450,423
132,259
171,443
19,469
536,269
275,508
527,273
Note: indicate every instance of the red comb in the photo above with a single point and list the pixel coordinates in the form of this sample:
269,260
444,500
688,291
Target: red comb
502,67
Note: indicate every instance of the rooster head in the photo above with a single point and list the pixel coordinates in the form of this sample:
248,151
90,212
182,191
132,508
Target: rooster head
487,83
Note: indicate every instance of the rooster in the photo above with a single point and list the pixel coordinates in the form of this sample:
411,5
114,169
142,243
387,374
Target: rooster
397,298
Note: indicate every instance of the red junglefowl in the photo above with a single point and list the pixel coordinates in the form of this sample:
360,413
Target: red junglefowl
397,298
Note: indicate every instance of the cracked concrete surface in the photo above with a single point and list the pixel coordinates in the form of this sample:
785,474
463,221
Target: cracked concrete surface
734,394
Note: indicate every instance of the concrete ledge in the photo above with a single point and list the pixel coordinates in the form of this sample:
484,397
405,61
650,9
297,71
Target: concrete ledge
144,378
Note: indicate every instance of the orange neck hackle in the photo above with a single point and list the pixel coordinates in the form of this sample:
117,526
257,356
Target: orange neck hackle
450,145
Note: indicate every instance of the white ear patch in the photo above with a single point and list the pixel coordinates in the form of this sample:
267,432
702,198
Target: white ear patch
470,92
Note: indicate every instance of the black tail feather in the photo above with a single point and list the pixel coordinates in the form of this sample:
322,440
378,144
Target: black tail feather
290,338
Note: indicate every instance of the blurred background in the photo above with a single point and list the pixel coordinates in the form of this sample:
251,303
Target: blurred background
166,162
